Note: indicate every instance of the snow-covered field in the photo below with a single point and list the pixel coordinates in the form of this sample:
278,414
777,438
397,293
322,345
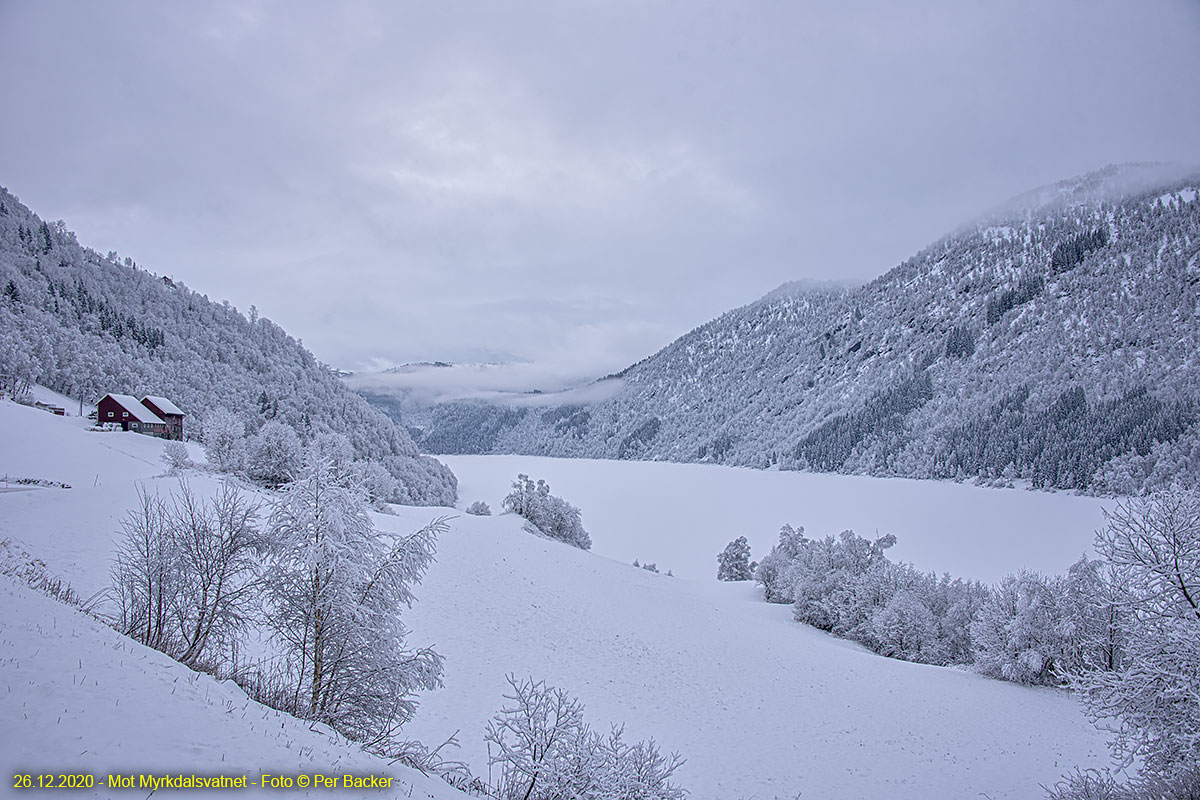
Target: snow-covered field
680,516
760,706
80,698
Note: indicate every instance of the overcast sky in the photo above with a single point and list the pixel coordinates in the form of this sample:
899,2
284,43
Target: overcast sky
571,183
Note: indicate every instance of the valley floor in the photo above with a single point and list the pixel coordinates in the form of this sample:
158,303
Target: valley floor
760,706
681,515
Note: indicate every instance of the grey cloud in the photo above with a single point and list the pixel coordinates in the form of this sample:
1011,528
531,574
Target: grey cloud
569,184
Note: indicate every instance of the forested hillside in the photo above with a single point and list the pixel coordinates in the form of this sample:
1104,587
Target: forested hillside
86,325
1053,341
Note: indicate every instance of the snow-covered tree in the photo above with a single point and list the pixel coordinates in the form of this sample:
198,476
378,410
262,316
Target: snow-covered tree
223,434
847,585
337,588
833,581
526,497
274,454
1018,634
186,573
546,751
773,572
733,564
550,514
1094,620
218,548
479,509
145,574
906,628
1151,702
335,451
377,482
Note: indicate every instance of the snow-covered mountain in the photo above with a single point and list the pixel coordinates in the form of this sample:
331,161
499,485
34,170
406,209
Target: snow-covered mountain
759,705
87,325
1054,340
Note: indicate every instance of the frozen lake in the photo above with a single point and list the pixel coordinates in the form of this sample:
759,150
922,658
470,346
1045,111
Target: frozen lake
680,516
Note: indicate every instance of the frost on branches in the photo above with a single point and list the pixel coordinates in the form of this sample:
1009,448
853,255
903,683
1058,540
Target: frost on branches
336,592
1018,634
547,751
1152,702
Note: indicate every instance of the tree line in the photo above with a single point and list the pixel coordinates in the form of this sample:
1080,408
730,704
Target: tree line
1122,630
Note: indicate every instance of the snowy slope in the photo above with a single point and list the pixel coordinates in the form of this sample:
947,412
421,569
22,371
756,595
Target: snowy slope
78,697
760,706
681,515
37,444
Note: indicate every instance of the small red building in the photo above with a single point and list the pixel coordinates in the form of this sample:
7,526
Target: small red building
125,410
169,413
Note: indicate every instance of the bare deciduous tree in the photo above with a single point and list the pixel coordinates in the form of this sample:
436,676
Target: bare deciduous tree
185,572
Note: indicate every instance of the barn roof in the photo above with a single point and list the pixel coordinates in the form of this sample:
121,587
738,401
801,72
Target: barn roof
164,405
136,409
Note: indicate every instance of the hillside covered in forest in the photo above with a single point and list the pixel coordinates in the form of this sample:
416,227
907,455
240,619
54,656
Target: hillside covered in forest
1054,340
86,325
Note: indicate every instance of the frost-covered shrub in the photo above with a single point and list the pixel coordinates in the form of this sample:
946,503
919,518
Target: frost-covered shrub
546,751
175,456
848,586
551,515
479,509
1095,785
733,563
1089,785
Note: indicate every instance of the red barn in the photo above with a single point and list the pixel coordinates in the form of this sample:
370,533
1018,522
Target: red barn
169,413
130,414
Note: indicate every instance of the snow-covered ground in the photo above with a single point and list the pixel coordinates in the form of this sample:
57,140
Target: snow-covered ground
680,516
79,698
760,706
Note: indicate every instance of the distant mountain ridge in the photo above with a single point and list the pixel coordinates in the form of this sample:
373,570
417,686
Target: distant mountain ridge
1054,341
85,325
